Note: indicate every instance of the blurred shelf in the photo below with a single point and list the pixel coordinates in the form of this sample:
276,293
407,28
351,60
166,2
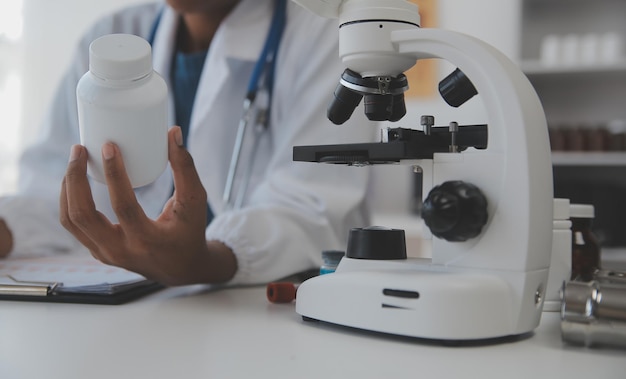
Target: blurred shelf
589,158
535,68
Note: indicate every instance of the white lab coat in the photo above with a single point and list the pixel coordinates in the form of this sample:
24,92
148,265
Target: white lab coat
293,210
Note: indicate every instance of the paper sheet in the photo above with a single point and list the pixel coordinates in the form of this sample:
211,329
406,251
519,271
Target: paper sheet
70,270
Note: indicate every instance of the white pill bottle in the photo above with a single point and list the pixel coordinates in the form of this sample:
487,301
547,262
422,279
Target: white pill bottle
121,99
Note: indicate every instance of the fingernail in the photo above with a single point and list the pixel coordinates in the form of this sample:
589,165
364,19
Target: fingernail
74,153
108,151
178,136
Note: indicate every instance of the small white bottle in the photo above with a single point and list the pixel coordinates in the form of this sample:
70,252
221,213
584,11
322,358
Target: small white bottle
561,255
121,99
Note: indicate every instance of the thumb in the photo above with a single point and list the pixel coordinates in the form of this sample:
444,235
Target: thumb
186,180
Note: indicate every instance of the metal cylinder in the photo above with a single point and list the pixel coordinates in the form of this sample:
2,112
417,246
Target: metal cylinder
594,313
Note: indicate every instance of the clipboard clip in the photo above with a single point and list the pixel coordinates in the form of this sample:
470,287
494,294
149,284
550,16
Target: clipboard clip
27,288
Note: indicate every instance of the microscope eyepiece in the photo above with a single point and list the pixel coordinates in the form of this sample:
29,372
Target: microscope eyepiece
456,88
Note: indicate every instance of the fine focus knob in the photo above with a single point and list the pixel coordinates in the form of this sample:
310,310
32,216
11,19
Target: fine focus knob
455,211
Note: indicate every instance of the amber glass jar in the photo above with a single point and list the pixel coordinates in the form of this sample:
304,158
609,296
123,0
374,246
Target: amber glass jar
585,246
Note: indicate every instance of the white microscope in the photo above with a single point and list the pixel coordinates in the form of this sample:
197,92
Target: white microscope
490,205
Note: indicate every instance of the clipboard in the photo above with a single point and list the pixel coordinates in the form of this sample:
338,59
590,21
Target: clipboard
70,279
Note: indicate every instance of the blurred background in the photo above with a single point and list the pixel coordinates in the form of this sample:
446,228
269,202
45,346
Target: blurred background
572,51
37,41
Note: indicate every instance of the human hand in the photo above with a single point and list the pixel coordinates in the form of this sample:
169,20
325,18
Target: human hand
6,239
171,249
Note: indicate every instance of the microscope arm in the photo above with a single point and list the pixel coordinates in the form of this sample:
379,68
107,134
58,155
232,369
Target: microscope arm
514,171
481,282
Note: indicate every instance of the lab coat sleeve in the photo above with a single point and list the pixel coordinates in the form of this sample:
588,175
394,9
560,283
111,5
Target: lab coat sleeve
32,213
300,209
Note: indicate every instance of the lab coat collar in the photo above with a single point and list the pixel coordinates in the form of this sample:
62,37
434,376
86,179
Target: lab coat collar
244,31
241,36
238,40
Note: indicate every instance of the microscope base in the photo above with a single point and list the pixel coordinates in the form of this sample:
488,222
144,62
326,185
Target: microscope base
431,302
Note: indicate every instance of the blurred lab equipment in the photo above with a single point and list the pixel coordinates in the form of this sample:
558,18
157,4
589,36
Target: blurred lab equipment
585,246
593,313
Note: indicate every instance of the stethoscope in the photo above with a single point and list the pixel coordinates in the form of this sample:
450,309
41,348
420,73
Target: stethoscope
259,88
256,104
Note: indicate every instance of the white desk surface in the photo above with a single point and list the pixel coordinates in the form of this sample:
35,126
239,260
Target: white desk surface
236,333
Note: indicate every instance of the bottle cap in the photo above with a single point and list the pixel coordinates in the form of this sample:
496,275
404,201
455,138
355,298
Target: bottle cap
581,211
120,57
281,292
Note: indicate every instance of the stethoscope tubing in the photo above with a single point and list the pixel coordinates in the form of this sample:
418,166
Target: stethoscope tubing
262,79
236,155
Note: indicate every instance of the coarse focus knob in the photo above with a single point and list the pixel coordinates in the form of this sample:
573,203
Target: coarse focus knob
455,211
